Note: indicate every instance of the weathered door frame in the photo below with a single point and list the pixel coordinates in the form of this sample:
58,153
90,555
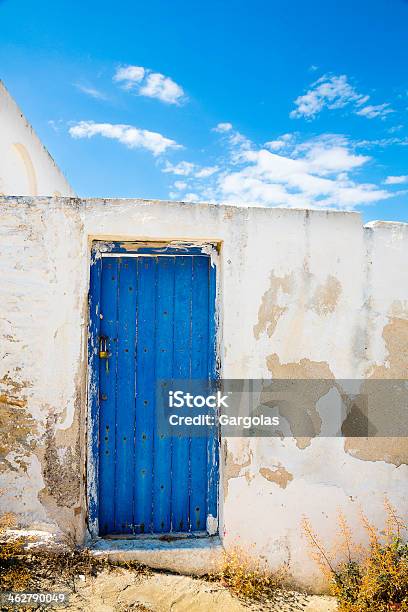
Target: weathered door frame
134,248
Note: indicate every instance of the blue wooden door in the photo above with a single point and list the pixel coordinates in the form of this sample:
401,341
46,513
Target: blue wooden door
156,321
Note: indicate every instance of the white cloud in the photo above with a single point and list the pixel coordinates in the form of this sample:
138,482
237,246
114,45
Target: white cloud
275,145
317,173
328,91
183,168
129,75
239,145
130,136
222,127
180,185
57,124
280,143
206,172
150,84
91,91
161,87
395,128
335,92
382,142
191,197
276,180
329,154
371,112
396,180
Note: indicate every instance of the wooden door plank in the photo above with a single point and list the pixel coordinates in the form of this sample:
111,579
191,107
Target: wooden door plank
164,370
199,371
107,389
182,371
145,392
125,421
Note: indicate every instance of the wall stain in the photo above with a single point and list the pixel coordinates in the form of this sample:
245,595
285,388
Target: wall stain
326,296
390,450
62,456
61,468
270,310
318,380
233,469
303,369
279,475
386,400
395,335
17,427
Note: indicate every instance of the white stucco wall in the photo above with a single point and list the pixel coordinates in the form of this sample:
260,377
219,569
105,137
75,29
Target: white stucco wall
304,294
26,167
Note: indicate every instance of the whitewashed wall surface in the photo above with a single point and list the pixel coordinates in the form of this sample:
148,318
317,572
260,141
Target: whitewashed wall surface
303,294
26,167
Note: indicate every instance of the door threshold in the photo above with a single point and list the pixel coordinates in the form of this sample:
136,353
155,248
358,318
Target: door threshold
163,537
152,543
173,555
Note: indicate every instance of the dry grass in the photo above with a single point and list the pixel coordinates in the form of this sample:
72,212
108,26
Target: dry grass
23,568
13,575
366,580
250,579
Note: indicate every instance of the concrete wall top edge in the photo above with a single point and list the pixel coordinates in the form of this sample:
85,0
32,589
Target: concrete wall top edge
353,216
378,224
238,208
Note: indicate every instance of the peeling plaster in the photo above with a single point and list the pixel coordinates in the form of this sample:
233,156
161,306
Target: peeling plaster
270,310
232,469
326,296
308,418
279,475
390,450
302,369
395,335
17,427
61,469
387,399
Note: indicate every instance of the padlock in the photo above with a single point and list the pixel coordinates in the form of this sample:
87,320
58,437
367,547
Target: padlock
103,348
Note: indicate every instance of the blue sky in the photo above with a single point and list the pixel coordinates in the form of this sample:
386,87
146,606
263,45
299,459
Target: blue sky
266,102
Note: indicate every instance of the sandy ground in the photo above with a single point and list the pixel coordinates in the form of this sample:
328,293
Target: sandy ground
122,590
